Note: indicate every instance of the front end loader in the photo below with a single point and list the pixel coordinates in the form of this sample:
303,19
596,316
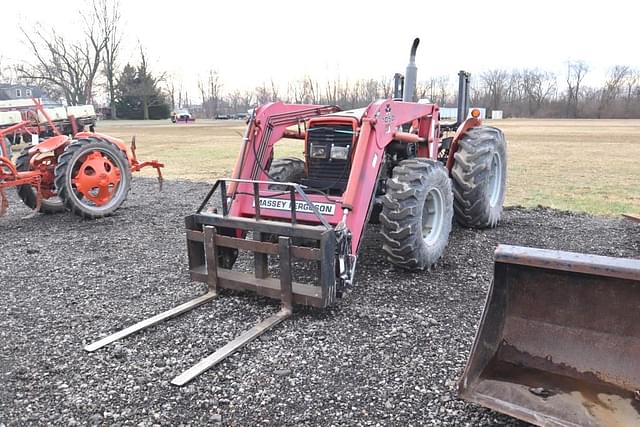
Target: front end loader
392,162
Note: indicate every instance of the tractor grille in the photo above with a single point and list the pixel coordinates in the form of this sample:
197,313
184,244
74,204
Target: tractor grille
329,174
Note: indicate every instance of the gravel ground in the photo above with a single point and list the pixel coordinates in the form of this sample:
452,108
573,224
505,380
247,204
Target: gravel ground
388,354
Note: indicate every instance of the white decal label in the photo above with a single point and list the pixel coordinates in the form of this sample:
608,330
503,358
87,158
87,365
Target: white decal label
301,206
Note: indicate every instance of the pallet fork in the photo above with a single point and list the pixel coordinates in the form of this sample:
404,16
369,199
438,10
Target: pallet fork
208,235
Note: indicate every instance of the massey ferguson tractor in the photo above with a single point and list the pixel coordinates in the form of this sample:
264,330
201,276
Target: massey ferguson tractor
559,339
392,162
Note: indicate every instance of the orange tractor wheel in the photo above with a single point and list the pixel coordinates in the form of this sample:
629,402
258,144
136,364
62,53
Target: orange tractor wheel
93,177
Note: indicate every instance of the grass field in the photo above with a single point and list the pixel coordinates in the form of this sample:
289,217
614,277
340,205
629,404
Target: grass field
580,165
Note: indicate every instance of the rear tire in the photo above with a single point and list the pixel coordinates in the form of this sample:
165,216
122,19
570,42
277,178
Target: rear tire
105,170
286,169
27,193
417,212
479,176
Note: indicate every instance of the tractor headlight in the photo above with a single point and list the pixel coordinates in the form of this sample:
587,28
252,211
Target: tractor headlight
340,153
318,151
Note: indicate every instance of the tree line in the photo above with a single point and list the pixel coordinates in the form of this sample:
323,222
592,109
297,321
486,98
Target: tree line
518,93
536,93
76,68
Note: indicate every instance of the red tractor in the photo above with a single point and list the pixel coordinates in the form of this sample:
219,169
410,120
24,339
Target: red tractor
393,162
89,174
559,341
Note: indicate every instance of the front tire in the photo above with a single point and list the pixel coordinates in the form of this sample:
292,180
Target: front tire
479,177
417,212
93,177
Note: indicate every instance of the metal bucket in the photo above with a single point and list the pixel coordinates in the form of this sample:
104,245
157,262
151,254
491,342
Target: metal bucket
559,340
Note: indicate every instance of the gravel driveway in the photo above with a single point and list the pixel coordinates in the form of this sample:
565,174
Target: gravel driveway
388,354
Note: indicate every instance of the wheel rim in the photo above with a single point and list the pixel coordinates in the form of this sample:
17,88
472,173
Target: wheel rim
96,180
432,216
495,179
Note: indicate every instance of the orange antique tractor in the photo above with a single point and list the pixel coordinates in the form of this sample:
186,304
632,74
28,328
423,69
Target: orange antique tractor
89,174
393,161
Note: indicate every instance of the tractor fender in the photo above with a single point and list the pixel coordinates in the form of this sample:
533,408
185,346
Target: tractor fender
470,123
49,144
116,141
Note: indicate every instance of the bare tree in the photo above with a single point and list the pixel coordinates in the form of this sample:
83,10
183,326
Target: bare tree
576,72
312,90
215,89
235,101
631,85
247,99
332,90
70,65
263,94
108,14
425,89
442,90
171,89
386,87
202,88
612,87
297,91
371,92
274,91
537,87
148,84
495,83
7,71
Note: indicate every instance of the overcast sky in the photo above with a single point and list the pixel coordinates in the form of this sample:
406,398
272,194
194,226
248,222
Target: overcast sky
250,42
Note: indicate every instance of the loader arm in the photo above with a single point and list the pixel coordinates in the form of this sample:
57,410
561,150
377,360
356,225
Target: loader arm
380,125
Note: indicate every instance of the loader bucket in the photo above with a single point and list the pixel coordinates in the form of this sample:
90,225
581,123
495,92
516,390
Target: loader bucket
559,340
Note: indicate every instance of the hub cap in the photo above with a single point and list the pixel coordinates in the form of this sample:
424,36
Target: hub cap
432,216
495,180
96,179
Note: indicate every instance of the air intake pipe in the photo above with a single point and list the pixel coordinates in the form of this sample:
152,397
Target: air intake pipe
411,75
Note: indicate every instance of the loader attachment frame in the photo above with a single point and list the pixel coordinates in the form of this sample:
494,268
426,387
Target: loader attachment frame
559,339
229,232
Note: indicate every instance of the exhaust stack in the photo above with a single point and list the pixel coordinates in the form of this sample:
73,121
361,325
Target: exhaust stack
411,74
463,96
